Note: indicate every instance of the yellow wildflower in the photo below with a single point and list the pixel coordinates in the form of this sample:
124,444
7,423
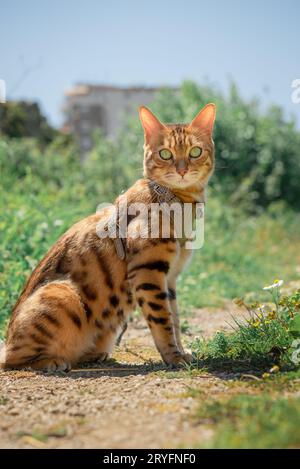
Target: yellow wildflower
271,314
239,301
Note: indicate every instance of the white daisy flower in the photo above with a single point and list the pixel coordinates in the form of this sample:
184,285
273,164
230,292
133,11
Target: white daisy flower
58,222
276,284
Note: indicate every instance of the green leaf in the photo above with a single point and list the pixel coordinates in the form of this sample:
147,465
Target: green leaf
295,324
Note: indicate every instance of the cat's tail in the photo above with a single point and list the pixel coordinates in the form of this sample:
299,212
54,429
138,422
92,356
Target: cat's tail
13,361
5,361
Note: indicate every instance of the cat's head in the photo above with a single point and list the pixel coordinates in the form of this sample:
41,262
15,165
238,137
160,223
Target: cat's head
179,156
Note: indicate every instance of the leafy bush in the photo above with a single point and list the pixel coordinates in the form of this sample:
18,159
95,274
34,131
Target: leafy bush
257,154
267,336
45,185
24,119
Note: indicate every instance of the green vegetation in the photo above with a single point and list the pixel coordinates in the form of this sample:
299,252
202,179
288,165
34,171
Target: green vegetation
241,252
233,262
259,407
246,421
24,119
251,235
44,189
257,153
267,336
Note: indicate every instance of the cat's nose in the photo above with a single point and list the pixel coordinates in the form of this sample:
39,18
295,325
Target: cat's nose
182,171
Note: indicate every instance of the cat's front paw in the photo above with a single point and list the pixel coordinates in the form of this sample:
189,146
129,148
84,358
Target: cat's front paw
178,359
57,364
102,357
188,357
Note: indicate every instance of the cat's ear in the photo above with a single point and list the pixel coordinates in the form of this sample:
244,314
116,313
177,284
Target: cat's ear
205,119
151,125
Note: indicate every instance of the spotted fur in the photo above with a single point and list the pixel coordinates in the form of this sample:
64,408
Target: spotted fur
77,301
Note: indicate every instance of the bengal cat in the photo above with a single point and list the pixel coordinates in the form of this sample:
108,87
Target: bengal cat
77,300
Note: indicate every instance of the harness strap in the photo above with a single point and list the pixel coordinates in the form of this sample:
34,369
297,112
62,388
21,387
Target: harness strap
164,195
120,248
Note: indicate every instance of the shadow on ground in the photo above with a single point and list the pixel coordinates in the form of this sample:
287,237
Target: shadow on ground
110,368
219,368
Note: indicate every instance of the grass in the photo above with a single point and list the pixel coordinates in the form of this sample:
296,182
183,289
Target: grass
58,431
249,413
29,225
266,337
42,194
239,254
245,421
44,191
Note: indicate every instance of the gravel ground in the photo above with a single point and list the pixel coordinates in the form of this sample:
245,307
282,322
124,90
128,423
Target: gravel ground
131,402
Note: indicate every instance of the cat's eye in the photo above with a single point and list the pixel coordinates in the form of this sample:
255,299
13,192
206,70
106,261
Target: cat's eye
165,154
195,152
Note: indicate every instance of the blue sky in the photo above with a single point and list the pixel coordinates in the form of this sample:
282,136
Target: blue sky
47,46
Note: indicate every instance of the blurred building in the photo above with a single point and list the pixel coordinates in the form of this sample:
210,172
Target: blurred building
90,107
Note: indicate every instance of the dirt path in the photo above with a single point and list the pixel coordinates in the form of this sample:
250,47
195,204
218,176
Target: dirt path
133,402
